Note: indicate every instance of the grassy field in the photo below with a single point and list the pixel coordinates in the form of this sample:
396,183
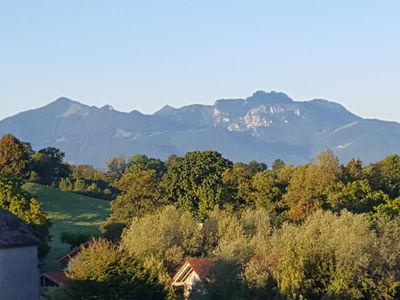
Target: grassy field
68,212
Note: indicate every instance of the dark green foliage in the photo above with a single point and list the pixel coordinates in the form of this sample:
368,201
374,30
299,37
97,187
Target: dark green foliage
74,239
112,230
226,284
194,182
356,196
390,175
50,166
86,180
199,181
352,171
278,165
237,186
139,194
391,209
256,167
385,175
144,162
266,190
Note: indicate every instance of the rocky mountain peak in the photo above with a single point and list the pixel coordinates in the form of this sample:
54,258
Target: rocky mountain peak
264,126
271,98
63,102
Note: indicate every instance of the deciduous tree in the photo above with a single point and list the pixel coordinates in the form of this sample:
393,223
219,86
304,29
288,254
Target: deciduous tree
139,194
23,205
194,182
14,156
116,167
49,164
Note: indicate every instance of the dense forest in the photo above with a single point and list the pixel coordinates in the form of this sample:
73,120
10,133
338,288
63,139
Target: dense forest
317,231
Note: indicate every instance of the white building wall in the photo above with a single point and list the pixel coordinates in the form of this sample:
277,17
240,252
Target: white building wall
19,274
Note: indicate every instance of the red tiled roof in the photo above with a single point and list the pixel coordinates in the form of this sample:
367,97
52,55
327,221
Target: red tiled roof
202,267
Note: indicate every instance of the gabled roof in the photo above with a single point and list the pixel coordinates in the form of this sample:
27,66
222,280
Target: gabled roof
14,232
73,252
57,277
201,266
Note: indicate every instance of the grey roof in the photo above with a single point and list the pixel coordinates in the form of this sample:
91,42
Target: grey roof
14,232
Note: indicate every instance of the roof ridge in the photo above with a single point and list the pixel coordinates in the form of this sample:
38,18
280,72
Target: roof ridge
15,232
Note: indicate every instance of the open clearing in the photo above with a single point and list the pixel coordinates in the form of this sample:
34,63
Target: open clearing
67,212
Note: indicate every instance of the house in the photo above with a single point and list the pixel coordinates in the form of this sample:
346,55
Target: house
193,274
53,279
66,259
57,279
19,272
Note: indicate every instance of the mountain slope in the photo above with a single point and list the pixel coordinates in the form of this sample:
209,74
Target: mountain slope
264,127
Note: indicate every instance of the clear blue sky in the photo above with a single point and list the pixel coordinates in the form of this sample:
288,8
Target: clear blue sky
145,54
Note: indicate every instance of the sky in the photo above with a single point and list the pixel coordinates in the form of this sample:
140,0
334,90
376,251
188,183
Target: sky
146,54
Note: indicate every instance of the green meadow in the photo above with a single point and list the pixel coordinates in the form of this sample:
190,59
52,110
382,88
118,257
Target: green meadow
67,212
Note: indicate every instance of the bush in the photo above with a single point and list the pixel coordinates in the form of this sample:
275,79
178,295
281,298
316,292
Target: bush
169,236
74,239
65,185
103,272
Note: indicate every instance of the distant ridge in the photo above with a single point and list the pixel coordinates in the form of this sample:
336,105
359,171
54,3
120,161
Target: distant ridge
263,127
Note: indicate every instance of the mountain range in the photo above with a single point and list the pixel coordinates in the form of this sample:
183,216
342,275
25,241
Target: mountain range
263,127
